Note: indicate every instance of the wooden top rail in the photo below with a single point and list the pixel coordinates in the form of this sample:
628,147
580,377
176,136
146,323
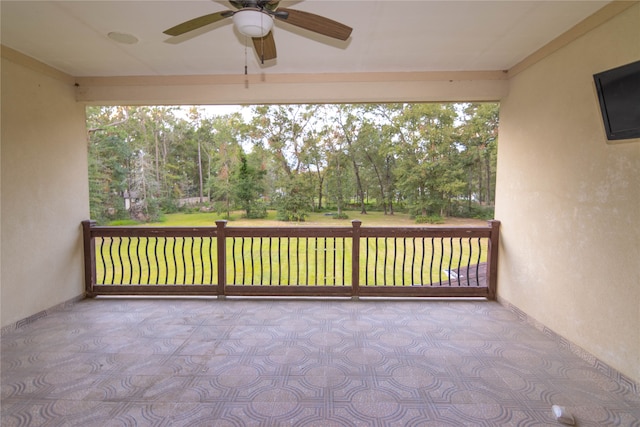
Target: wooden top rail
302,231
107,231
439,232
289,232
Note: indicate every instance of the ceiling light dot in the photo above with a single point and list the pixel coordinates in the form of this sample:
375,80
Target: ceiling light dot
123,38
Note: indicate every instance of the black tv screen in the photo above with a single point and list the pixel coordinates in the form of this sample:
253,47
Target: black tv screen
619,95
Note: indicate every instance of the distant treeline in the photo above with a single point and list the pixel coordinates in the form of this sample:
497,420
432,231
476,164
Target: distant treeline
424,159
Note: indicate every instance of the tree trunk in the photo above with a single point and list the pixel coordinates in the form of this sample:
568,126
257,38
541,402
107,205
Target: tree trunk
320,182
480,182
380,183
488,171
356,169
157,159
200,174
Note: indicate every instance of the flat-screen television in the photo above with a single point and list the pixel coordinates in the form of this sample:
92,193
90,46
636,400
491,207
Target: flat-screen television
619,95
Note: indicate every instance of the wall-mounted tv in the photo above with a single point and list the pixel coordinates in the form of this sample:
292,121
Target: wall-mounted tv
619,95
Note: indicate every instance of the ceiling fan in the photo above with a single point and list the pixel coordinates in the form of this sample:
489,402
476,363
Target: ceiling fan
254,18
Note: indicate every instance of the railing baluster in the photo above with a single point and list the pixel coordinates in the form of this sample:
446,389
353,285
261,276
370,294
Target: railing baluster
147,266
334,261
422,264
253,270
139,260
366,261
376,266
298,261
459,261
103,279
324,260
395,258
151,242
166,259
261,268
450,259
184,258
344,261
127,248
202,261
175,260
469,260
413,261
478,263
384,276
404,259
270,263
315,272
433,254
234,258
166,271
210,260
307,265
288,260
243,240
279,257
441,258
121,263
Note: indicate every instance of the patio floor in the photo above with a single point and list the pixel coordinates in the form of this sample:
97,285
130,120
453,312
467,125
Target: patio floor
200,362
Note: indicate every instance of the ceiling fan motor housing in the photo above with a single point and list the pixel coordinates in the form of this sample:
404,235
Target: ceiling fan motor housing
253,22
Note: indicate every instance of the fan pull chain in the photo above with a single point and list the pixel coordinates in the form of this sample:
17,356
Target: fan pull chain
245,55
246,79
262,39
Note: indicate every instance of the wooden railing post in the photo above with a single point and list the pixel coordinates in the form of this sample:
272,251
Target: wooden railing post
89,245
221,240
355,259
492,261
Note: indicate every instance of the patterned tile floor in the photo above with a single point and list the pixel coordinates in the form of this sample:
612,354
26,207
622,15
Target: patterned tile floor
198,362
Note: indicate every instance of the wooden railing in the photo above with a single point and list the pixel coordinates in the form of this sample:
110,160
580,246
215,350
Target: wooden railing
292,261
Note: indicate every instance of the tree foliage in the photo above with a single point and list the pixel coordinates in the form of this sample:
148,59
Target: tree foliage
426,159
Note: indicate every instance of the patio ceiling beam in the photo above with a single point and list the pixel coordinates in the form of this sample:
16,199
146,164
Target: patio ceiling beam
471,86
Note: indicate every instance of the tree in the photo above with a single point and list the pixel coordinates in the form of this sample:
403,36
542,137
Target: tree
349,124
479,138
294,201
428,175
247,187
223,153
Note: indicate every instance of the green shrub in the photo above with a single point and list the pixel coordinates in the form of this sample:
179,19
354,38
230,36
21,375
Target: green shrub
474,210
258,210
123,222
429,219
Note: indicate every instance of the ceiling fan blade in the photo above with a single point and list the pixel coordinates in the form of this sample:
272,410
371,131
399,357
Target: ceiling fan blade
316,23
271,5
265,47
194,24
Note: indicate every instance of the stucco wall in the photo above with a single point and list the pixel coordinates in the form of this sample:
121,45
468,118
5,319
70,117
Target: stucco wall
44,192
569,202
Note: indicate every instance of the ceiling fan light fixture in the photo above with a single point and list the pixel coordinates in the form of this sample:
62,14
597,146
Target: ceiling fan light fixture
252,22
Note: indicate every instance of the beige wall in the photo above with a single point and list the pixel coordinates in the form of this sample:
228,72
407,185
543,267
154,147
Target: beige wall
44,192
570,203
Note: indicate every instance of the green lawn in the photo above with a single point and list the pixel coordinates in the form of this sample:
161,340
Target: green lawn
304,261
371,219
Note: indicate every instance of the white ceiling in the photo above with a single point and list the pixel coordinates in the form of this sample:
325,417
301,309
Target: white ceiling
388,36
